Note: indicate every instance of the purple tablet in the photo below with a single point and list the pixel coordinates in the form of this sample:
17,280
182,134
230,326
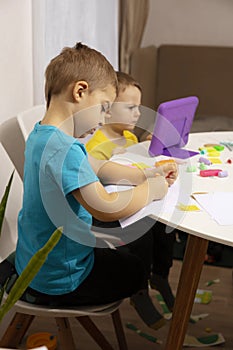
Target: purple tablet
172,126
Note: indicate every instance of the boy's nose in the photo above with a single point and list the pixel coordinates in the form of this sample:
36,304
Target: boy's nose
137,112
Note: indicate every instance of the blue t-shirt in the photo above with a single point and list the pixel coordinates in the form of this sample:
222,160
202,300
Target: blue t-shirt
55,165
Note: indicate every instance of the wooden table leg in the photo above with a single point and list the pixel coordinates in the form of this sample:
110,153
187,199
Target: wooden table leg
189,278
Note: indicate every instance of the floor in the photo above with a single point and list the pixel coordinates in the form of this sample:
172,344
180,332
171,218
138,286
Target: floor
219,319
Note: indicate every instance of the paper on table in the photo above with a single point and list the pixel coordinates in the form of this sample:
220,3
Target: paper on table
218,205
167,204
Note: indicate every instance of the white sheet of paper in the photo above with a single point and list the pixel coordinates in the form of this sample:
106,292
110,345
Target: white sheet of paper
218,205
167,204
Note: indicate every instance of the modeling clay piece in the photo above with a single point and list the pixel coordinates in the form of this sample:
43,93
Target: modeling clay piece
164,161
210,145
196,318
208,329
215,160
203,296
42,338
203,166
204,160
140,165
223,173
210,172
219,148
166,312
213,153
201,342
209,283
142,334
230,160
215,146
184,207
191,169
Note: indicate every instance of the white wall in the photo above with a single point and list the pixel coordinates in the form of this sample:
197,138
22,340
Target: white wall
31,33
15,57
59,23
16,94
197,22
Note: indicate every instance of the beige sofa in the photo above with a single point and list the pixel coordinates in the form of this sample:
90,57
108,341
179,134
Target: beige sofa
173,71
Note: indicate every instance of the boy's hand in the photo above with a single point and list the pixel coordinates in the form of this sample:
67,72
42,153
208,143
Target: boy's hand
169,171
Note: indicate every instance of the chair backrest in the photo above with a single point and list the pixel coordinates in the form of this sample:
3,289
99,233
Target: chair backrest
13,142
29,118
14,132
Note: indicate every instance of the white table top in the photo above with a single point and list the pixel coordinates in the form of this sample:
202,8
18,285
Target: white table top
198,223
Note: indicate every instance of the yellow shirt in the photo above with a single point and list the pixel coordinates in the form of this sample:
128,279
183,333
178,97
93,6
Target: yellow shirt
101,147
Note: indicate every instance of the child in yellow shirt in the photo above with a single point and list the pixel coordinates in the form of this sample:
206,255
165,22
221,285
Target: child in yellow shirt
116,134
114,137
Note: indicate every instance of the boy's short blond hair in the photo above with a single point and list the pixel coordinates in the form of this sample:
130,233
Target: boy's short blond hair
78,63
125,80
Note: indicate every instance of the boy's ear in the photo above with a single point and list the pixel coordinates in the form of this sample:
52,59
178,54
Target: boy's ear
79,89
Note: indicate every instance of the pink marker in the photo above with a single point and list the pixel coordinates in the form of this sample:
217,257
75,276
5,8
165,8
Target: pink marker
210,172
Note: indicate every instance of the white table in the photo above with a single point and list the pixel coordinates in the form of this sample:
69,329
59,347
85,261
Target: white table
199,225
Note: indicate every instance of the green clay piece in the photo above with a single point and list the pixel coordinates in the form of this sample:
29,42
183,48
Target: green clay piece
191,169
209,339
219,148
203,166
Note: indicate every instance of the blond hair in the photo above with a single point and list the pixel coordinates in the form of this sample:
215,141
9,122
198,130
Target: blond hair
78,63
125,80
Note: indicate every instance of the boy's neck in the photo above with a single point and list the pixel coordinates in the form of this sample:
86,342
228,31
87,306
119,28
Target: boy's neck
59,115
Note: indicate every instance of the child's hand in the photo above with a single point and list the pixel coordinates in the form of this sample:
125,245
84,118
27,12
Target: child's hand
149,137
118,150
168,170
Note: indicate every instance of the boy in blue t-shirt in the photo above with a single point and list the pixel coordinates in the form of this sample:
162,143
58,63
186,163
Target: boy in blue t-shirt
61,188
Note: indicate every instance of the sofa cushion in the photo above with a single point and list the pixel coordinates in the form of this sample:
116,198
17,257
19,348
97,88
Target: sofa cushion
203,71
204,123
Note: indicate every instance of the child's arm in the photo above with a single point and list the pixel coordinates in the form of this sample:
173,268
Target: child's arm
113,173
106,206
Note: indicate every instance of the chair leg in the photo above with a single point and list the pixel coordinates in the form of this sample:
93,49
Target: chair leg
116,318
65,335
16,330
94,332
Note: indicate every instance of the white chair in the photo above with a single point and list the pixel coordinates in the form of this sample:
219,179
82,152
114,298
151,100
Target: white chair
13,134
26,312
27,119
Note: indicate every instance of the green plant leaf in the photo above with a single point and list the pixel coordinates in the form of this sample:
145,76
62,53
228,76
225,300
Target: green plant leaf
4,201
32,268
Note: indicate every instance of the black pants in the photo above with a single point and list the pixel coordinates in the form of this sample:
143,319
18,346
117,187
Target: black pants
163,244
116,274
159,257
